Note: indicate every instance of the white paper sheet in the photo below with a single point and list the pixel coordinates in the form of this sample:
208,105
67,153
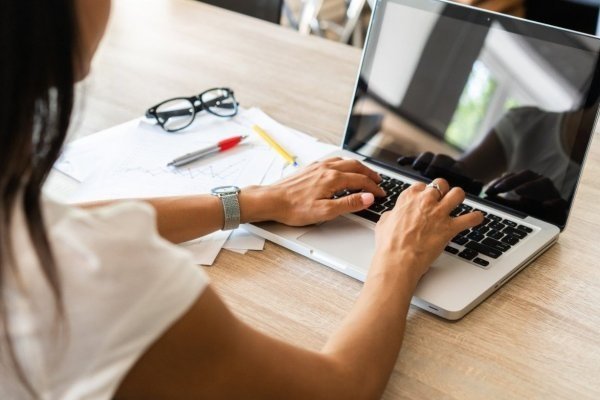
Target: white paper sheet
206,249
241,239
130,161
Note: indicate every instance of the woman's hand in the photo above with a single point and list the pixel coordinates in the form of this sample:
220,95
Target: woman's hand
415,232
307,197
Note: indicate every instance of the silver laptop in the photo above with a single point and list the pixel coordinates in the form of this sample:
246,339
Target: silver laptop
502,107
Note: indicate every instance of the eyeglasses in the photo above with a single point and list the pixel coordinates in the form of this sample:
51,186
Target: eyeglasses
178,113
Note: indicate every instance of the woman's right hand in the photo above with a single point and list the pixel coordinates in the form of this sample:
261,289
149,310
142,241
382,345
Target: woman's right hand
415,232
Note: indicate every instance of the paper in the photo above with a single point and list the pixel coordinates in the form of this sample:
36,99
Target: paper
241,239
130,161
239,251
206,249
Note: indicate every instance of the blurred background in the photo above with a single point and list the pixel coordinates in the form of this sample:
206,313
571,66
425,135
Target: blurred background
346,21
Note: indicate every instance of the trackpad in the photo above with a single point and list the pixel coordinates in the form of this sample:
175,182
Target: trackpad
343,239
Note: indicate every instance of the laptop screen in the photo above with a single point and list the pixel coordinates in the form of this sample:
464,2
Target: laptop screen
502,107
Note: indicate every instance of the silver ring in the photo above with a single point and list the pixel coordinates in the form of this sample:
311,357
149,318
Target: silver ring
435,186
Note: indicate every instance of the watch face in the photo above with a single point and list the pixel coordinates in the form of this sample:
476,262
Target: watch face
225,190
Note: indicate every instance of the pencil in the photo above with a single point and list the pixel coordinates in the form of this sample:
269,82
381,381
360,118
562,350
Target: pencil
286,156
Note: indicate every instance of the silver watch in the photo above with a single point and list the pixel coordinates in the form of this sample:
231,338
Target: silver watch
231,205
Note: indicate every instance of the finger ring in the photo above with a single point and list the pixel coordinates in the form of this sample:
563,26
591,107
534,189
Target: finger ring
435,186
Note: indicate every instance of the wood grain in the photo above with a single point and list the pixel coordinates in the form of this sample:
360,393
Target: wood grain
538,337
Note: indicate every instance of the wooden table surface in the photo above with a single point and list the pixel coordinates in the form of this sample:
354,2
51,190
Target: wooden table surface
537,337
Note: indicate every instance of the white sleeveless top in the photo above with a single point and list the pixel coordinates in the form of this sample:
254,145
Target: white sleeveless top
122,285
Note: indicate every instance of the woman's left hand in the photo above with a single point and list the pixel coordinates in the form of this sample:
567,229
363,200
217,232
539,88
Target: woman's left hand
307,197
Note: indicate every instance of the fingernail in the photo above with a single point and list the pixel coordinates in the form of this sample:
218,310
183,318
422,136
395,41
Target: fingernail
367,198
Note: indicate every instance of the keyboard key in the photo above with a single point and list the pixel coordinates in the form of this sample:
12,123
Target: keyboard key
525,228
378,208
455,212
494,218
481,211
461,240
451,250
510,223
464,233
468,254
482,229
481,262
496,225
466,207
494,234
496,244
512,240
515,232
485,221
390,204
476,236
371,216
483,249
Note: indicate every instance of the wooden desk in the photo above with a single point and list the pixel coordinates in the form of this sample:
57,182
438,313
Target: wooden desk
537,337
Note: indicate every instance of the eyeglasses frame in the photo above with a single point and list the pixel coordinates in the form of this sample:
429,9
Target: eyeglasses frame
198,106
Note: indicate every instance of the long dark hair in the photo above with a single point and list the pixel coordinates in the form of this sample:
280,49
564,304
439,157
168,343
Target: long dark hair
37,72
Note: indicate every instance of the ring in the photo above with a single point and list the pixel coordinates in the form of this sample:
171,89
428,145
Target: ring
435,186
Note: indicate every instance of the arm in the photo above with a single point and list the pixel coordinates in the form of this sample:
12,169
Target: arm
209,353
302,199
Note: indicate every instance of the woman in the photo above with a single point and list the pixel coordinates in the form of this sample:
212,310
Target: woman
96,304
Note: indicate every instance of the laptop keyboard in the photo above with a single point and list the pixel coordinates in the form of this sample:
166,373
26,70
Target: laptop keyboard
478,245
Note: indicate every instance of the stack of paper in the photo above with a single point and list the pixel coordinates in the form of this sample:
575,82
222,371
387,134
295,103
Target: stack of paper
130,161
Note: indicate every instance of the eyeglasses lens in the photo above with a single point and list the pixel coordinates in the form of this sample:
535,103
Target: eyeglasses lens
220,102
175,114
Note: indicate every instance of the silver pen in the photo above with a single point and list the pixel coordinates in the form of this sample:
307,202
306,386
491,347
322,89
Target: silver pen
215,148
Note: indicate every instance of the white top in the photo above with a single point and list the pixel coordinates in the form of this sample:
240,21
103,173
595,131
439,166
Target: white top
532,141
122,285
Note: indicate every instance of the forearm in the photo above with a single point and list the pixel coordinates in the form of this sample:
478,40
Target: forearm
369,340
183,218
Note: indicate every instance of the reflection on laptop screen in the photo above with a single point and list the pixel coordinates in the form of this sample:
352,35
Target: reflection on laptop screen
501,107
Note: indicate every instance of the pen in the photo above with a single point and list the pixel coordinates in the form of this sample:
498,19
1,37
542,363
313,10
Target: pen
215,148
289,158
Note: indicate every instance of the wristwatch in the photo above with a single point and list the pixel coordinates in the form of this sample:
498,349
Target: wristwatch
231,205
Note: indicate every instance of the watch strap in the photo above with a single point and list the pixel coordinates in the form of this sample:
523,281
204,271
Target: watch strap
231,211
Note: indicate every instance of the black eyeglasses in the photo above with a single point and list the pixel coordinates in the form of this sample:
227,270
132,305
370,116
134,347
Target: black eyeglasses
178,113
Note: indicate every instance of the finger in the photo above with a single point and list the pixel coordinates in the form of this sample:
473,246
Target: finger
331,160
355,166
511,182
352,203
466,221
355,181
417,186
439,193
451,200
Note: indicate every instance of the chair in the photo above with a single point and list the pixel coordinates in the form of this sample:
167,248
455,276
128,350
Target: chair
268,10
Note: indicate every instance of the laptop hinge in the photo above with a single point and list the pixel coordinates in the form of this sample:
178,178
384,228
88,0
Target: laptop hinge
508,210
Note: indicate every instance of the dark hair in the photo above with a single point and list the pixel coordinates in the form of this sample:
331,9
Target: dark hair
37,73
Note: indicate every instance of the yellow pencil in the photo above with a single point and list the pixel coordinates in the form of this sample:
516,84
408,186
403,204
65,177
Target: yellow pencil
287,156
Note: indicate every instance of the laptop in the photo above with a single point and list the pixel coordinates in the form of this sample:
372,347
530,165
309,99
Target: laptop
503,107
